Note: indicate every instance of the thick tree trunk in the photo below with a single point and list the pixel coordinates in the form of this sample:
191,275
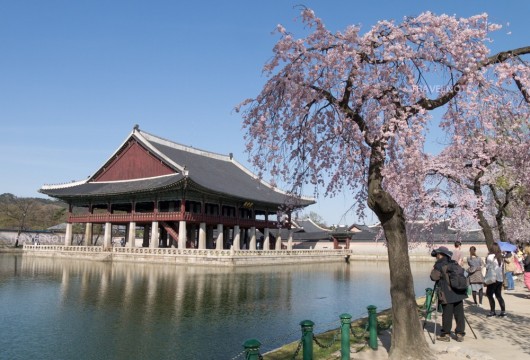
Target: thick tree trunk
486,229
500,226
483,223
408,339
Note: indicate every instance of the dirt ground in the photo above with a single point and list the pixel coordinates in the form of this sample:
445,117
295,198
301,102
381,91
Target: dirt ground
496,338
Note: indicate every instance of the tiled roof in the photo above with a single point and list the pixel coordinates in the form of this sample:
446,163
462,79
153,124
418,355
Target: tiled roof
214,172
112,187
220,173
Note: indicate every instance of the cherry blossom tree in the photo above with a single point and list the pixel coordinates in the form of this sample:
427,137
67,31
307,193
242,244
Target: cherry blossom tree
347,109
496,178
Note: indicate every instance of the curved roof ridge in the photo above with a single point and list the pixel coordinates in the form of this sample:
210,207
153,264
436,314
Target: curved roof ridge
138,179
63,185
174,145
265,183
316,225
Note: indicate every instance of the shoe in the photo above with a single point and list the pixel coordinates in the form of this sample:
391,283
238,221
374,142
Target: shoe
459,337
491,314
502,314
444,337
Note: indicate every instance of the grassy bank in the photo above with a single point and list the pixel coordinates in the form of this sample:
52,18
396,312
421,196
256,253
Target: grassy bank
359,342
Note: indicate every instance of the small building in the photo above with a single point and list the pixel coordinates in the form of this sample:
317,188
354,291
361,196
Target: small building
179,196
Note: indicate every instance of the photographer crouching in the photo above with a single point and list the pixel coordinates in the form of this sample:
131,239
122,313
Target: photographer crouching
451,298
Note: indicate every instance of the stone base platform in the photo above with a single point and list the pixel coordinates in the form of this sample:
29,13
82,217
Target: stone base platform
188,256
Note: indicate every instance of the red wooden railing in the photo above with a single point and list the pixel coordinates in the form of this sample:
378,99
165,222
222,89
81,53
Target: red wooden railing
168,216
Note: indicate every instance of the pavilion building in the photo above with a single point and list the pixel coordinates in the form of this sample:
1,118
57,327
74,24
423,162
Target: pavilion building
182,197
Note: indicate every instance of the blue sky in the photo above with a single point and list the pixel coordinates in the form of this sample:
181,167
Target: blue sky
76,76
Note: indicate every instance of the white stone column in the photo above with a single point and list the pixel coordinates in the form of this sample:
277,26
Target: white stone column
132,235
88,234
107,237
266,243
290,240
68,235
278,244
182,235
220,237
237,238
154,235
202,236
252,243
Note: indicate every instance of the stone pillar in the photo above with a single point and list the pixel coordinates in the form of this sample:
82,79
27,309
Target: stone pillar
220,237
278,244
88,234
107,237
68,235
252,243
182,235
237,238
154,235
290,240
266,242
202,236
132,235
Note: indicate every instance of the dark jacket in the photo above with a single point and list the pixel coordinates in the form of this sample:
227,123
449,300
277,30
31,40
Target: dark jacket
526,263
445,293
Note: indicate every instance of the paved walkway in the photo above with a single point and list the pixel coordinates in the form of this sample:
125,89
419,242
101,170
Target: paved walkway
497,338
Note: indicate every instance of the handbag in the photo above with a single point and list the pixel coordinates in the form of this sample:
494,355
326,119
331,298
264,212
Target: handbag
490,277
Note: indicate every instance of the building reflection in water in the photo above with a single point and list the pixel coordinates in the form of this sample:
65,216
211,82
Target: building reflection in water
142,310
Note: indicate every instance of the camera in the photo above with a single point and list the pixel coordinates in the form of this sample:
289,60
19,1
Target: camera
434,253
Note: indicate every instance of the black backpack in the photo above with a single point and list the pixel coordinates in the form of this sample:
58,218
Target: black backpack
455,277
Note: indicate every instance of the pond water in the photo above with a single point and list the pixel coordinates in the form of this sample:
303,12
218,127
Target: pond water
66,309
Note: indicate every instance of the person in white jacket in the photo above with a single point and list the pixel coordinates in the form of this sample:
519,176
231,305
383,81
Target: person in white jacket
495,262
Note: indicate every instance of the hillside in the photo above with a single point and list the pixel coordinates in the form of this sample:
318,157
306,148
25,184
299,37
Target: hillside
30,213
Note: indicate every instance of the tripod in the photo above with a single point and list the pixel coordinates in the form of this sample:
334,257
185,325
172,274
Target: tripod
434,298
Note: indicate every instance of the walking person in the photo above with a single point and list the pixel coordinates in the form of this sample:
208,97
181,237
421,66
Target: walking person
526,265
509,269
452,301
475,277
494,263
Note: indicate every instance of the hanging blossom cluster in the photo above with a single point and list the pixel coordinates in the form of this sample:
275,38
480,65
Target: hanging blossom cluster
337,103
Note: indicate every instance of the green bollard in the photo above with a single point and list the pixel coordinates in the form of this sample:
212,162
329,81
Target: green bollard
307,339
428,303
345,324
372,326
252,349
